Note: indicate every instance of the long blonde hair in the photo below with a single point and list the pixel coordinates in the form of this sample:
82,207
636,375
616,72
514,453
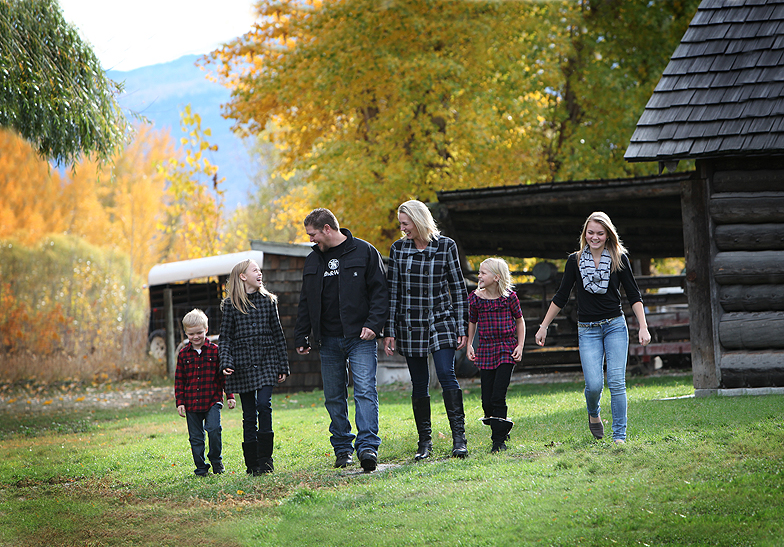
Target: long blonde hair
422,218
235,288
499,267
613,244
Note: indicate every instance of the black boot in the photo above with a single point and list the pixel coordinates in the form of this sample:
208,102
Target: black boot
421,406
498,436
251,452
265,452
501,427
453,401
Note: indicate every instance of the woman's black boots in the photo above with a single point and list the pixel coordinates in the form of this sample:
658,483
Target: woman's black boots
250,450
453,401
265,464
421,406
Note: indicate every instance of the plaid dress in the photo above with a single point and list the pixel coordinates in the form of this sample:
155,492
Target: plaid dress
253,344
496,329
427,297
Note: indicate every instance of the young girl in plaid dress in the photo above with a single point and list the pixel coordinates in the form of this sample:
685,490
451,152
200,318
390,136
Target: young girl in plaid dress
494,313
252,350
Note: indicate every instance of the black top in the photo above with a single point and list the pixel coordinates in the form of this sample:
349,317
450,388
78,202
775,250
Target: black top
596,307
330,293
363,296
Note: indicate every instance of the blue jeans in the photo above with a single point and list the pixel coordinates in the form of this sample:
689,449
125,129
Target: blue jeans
256,405
605,341
444,360
337,355
198,422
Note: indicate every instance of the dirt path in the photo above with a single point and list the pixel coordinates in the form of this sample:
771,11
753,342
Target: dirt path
110,397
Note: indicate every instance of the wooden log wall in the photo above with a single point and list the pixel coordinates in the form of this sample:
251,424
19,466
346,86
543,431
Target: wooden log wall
746,208
283,277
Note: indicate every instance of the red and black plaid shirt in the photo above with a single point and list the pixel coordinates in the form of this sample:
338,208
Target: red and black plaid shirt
198,382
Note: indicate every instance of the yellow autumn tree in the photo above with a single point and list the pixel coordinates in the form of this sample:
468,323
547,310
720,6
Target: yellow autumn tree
193,220
378,102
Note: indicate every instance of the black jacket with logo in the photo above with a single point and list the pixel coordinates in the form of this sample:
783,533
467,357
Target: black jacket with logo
364,298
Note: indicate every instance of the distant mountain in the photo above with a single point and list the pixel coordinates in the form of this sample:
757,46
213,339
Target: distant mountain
160,92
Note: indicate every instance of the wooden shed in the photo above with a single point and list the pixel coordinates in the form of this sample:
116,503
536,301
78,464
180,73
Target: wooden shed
720,101
544,221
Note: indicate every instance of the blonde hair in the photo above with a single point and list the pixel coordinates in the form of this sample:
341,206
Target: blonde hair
422,218
235,288
613,244
195,318
499,267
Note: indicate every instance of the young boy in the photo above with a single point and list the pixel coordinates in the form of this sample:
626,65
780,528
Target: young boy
198,388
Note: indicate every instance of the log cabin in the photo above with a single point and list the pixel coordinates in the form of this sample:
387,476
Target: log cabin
720,103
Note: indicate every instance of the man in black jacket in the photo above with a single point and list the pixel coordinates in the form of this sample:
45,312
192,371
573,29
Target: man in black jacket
343,306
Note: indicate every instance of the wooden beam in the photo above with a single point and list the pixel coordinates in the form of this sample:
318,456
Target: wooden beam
697,245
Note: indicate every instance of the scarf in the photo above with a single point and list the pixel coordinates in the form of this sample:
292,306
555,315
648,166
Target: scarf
595,280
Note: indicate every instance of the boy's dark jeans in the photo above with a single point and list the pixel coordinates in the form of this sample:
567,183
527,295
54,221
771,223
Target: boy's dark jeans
198,423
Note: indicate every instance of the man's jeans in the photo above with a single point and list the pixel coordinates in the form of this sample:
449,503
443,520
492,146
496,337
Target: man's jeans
198,422
599,342
337,354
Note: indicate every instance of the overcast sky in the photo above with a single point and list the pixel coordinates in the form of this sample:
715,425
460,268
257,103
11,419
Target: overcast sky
127,35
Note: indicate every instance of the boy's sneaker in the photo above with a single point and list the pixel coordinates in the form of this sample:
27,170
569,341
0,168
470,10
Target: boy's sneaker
368,460
343,460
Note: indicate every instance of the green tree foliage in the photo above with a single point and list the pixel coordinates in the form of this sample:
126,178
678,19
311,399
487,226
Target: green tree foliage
376,101
53,91
599,61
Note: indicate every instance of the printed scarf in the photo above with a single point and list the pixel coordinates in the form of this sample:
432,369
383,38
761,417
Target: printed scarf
595,280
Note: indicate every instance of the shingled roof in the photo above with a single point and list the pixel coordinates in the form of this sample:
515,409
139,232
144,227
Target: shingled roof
722,94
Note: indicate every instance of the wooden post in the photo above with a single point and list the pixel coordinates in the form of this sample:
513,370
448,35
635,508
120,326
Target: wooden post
697,246
171,359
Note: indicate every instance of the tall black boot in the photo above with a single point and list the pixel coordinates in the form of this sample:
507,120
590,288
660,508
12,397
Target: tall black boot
421,406
251,452
501,427
453,401
265,463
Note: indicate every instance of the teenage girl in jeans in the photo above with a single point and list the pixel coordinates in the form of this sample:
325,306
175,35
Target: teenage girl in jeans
598,269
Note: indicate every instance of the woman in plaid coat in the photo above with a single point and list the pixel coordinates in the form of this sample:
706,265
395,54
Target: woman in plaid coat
428,314
252,351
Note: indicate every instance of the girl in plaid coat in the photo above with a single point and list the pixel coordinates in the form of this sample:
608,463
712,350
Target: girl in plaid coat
253,357
494,313
428,315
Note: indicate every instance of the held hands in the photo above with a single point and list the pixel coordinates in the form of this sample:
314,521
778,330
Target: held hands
231,403
228,371
389,345
181,410
462,341
645,336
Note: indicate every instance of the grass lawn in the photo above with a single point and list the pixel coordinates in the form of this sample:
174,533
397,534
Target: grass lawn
706,471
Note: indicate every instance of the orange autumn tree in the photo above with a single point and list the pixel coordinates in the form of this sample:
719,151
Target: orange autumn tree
30,207
377,102
121,205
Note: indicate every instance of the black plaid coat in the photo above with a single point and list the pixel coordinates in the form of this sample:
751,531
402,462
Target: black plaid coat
428,301
253,345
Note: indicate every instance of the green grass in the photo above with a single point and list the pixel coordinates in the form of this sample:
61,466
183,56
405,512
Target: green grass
694,472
